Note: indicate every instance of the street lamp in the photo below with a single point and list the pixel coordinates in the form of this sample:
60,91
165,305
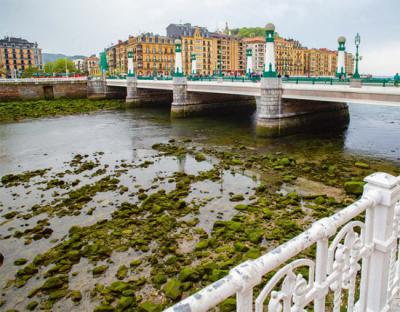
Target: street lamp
357,41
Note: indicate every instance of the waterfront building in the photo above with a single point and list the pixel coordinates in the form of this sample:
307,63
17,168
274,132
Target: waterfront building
17,55
117,58
208,46
232,52
257,47
92,65
80,64
152,54
295,60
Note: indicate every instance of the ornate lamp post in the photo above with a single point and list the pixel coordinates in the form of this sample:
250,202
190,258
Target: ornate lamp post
357,41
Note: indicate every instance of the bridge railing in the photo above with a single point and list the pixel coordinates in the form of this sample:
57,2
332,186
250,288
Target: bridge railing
316,80
384,82
356,265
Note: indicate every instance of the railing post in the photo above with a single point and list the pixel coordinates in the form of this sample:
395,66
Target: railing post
244,301
379,237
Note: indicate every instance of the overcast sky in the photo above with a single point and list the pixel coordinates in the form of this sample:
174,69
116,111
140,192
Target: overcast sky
88,26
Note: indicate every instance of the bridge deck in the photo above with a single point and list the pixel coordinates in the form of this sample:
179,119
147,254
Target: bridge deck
335,93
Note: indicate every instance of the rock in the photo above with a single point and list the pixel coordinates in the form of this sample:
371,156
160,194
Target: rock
172,289
57,294
10,215
253,253
118,286
99,269
76,296
241,207
31,305
237,197
361,165
200,157
104,308
267,213
354,187
53,282
20,261
148,306
124,303
240,247
255,236
160,278
203,244
188,274
319,200
122,272
1,259
284,161
135,263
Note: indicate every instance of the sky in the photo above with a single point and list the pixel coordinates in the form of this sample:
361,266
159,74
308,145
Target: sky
88,26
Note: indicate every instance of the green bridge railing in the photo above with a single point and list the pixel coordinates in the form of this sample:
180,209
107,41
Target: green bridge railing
373,81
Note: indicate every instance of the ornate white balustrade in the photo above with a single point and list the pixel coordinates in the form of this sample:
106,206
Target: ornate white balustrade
356,267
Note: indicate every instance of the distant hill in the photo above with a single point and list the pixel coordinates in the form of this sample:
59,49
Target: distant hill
248,32
51,57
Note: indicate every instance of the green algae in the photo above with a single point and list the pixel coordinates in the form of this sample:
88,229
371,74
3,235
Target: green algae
152,227
19,110
17,179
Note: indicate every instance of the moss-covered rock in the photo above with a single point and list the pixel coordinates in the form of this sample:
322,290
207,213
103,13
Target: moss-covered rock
122,272
99,269
20,261
354,187
172,289
32,305
148,306
76,296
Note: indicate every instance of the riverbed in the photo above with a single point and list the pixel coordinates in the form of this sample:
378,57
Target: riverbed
126,209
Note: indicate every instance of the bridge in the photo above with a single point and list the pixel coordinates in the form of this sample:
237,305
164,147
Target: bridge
282,107
370,94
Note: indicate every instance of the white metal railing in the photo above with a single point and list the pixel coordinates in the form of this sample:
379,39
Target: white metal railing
38,80
352,257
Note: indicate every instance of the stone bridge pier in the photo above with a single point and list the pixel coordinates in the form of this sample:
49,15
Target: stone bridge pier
277,116
98,90
136,97
186,103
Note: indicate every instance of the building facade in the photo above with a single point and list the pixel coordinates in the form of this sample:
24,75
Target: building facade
209,48
152,54
17,55
295,60
80,65
92,65
155,54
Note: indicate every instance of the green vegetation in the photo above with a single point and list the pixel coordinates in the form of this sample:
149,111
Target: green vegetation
60,66
149,245
35,109
249,32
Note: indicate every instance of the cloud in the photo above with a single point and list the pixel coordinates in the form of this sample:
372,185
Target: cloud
87,26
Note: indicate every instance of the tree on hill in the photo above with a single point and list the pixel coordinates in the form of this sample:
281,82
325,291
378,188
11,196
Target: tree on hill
249,32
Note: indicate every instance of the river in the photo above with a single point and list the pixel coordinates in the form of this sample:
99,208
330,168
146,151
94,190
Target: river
114,138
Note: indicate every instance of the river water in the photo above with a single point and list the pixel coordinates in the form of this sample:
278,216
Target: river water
127,135
373,131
